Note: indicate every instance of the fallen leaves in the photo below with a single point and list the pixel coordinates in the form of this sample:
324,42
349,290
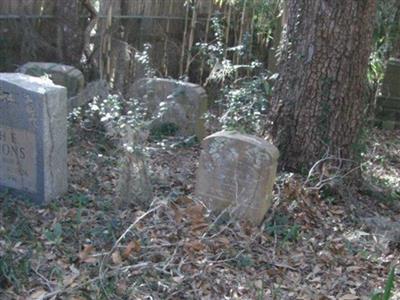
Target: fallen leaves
132,247
116,257
194,246
85,255
180,252
37,295
349,297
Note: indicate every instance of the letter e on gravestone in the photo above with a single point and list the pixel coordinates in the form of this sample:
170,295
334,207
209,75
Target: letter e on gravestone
33,137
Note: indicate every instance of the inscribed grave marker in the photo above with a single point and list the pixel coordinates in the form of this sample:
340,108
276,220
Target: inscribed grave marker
33,137
237,172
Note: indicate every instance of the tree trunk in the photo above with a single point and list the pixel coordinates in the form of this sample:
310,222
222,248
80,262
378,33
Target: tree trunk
319,97
70,31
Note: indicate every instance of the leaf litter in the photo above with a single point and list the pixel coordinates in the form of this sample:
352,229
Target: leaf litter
311,246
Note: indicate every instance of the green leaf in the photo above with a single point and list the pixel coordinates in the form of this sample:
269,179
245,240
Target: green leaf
389,285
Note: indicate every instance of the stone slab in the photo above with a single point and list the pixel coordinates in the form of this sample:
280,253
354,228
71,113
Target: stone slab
64,75
237,173
183,103
388,102
391,81
98,88
385,113
33,137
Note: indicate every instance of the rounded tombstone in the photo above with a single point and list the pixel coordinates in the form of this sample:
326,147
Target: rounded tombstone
236,174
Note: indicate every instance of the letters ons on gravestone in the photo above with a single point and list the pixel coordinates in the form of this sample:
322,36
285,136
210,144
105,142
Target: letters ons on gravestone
33,137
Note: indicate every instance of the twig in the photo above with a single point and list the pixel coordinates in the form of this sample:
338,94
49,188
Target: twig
71,288
47,282
116,244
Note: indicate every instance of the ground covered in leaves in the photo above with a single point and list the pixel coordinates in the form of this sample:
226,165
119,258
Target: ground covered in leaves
314,244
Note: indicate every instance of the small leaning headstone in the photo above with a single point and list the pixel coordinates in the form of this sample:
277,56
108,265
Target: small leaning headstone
33,137
67,76
236,174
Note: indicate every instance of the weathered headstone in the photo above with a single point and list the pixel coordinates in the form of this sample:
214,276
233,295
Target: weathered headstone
388,102
390,84
180,103
237,173
64,75
33,137
98,88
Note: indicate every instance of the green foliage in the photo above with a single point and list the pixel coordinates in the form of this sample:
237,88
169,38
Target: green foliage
163,130
122,117
386,34
245,105
14,270
143,58
387,26
386,294
244,261
266,15
245,89
376,68
19,226
55,234
280,226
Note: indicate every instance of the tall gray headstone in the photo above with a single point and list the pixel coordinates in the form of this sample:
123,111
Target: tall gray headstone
236,173
33,137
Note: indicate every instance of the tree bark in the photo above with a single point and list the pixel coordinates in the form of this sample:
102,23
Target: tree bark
70,31
319,97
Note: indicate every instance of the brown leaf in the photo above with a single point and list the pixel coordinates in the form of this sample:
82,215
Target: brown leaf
116,257
133,246
199,226
177,214
353,269
68,280
195,246
220,243
121,288
337,211
184,200
37,295
195,214
349,297
84,255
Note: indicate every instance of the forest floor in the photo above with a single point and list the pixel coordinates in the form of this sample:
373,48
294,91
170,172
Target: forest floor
312,245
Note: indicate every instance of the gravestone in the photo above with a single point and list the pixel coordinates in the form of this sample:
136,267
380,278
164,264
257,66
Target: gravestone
99,89
388,101
64,75
173,102
33,137
237,173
